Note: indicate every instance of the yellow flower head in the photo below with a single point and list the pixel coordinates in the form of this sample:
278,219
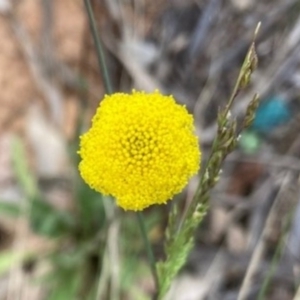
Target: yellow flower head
141,149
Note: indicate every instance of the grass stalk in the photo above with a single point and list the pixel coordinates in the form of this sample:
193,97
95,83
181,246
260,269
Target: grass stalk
149,250
276,257
99,48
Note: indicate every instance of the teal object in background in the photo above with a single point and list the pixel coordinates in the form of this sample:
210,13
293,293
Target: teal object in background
270,114
250,142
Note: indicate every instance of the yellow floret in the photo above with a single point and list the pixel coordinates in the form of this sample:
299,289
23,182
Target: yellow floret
141,149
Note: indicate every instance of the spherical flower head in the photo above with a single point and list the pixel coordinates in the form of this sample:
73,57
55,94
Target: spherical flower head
141,149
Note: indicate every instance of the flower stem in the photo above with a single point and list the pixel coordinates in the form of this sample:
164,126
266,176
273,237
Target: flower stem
148,249
99,48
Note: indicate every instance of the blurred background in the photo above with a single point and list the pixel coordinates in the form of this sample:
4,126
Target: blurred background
58,239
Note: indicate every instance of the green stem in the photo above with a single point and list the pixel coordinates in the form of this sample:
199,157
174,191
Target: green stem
271,271
275,260
99,48
148,249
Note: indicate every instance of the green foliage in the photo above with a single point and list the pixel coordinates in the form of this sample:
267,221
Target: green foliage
43,217
70,278
73,271
10,209
48,221
90,214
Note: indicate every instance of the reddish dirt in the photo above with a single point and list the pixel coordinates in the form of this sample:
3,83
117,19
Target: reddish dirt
17,85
